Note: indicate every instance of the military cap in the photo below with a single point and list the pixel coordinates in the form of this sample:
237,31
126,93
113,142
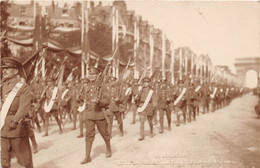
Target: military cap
93,70
10,62
146,79
49,80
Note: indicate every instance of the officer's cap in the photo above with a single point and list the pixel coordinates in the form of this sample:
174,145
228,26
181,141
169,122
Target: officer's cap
146,79
93,70
10,62
49,80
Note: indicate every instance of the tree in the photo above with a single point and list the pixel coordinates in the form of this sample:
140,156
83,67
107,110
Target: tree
5,51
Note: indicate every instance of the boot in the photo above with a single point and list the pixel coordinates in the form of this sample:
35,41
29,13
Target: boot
34,144
184,118
30,165
151,131
161,126
141,132
178,120
80,136
88,150
109,151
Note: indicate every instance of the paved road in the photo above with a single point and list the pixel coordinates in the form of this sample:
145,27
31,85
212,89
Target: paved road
229,137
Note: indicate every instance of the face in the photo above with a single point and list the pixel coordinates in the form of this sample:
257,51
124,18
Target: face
146,84
92,77
8,73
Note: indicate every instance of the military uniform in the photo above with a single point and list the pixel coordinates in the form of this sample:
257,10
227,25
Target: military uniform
190,101
54,110
180,106
112,89
94,115
133,106
163,105
14,129
148,112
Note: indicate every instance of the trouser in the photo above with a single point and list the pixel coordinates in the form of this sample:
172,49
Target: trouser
142,121
74,117
179,111
192,112
81,123
41,113
101,126
133,109
118,116
21,147
55,115
155,116
161,115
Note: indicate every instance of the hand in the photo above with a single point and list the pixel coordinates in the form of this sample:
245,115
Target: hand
96,100
13,125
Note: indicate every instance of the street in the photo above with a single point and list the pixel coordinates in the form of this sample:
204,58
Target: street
229,137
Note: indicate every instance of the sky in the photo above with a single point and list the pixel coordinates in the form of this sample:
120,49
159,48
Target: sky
223,30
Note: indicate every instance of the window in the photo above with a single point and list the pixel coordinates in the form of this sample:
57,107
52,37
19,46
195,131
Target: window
65,13
23,10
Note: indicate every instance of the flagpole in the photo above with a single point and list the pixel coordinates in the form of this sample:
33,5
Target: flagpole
172,63
151,52
180,67
186,63
163,55
82,40
135,50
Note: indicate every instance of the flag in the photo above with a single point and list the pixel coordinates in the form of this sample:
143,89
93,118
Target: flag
29,64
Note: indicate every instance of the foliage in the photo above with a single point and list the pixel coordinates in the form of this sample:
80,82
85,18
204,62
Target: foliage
5,51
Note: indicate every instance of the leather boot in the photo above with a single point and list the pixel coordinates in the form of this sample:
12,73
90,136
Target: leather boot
141,132
30,165
178,120
184,118
151,131
34,144
161,126
88,150
109,151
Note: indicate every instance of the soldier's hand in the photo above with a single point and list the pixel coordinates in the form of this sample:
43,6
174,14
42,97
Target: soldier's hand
96,100
13,125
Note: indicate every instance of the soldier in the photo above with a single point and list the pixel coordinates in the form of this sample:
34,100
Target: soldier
163,104
51,106
95,101
180,103
113,91
190,98
81,114
213,97
133,107
15,104
146,107
76,92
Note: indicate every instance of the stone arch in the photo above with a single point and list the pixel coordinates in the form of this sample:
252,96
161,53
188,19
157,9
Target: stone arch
243,65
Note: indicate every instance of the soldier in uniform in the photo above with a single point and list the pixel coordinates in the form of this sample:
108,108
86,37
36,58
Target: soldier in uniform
76,92
94,115
81,114
146,110
180,103
54,110
15,104
190,100
113,90
163,105
133,107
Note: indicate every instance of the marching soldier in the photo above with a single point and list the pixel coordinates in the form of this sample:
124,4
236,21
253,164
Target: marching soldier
94,115
190,99
15,104
213,97
113,90
180,103
163,105
51,106
76,92
133,107
146,107
82,103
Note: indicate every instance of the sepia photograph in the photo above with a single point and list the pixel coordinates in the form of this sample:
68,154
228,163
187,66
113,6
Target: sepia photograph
129,83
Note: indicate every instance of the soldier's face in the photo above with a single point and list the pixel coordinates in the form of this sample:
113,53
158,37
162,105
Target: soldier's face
8,73
92,77
146,84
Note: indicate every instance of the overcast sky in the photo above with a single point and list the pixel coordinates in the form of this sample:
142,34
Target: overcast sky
223,30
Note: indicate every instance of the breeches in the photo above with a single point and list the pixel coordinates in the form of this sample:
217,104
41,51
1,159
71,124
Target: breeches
101,126
20,146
